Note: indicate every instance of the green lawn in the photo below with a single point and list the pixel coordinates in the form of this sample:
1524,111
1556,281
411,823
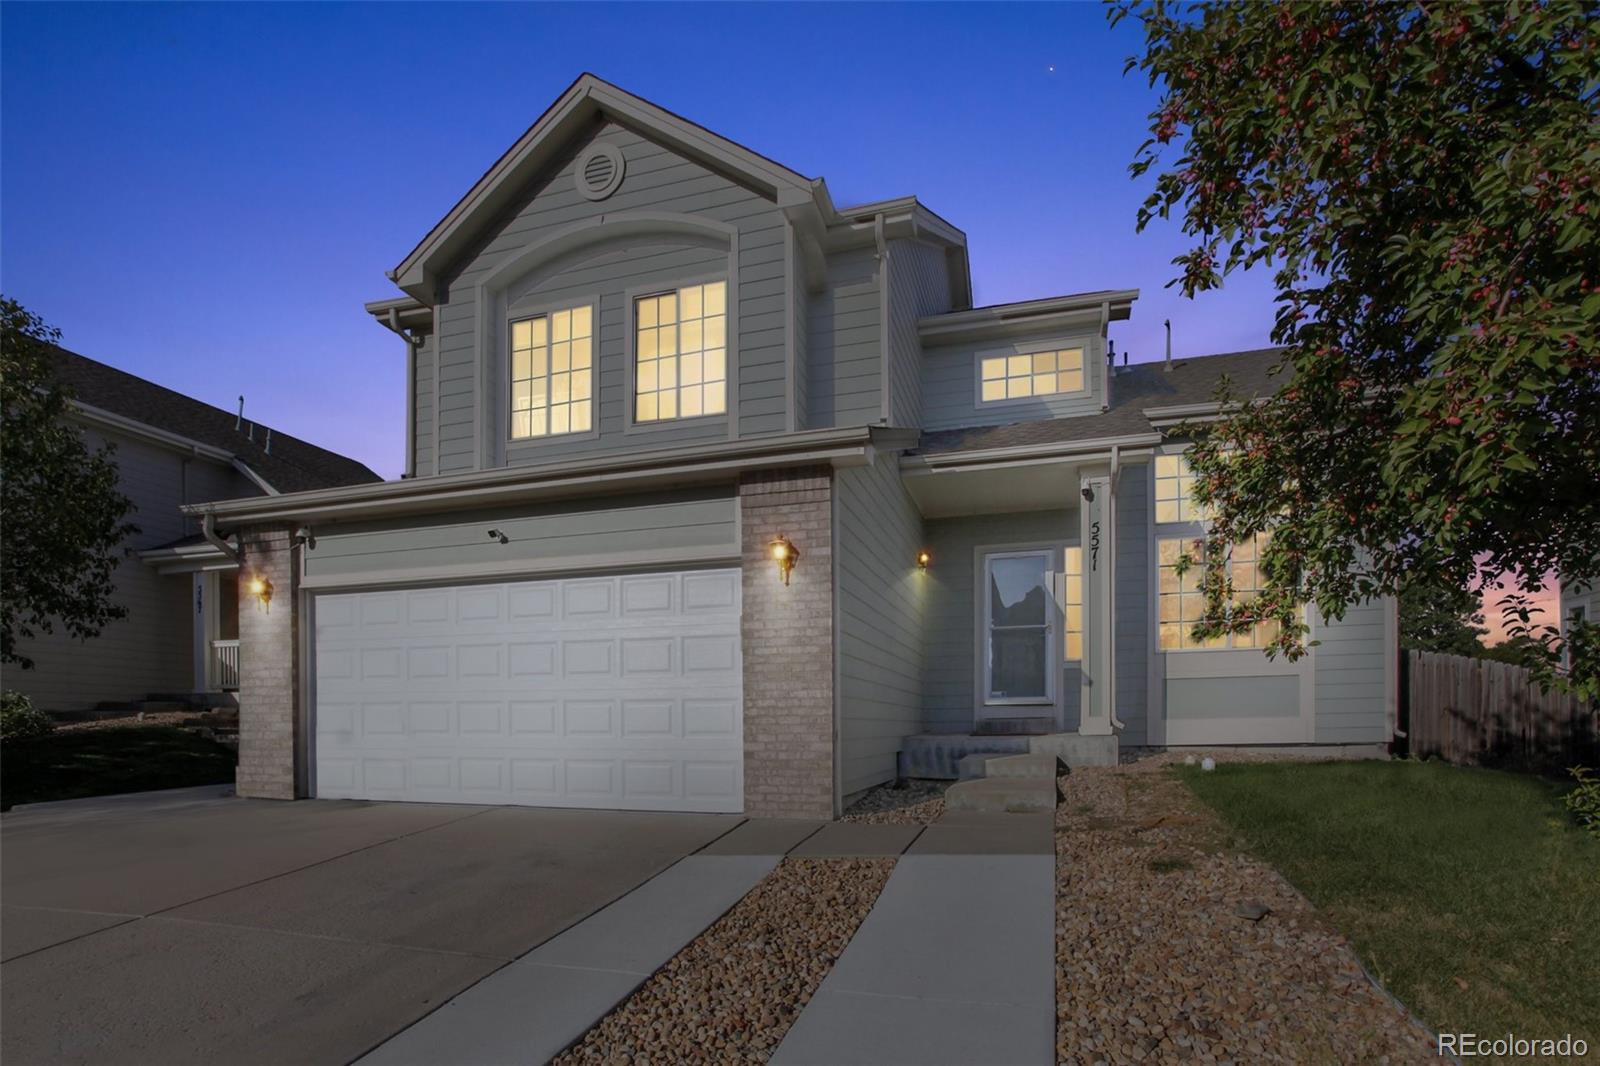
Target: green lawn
1467,892
99,762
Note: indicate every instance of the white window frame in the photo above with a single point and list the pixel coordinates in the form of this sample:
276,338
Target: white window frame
631,298
1052,667
1084,344
1067,604
544,308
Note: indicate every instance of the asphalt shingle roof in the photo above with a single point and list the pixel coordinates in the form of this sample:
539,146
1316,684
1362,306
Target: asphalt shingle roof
294,465
1133,388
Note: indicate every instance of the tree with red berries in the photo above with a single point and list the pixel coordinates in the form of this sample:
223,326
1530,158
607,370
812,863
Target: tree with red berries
1424,179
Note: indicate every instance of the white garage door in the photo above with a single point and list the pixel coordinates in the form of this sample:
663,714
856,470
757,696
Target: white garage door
618,692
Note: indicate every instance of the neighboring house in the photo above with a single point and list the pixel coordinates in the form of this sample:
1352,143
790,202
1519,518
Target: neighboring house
646,362
180,636
1579,602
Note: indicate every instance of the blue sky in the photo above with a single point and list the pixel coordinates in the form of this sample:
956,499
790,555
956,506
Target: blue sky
206,195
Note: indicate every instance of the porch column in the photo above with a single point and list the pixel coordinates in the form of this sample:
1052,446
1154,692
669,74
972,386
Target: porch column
1097,534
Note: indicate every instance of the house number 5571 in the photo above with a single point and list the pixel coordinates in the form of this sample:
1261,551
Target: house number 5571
1094,546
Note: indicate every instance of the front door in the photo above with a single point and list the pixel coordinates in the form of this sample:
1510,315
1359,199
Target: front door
1019,628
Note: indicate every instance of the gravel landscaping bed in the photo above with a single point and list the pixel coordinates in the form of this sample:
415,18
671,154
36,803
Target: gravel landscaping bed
731,994
130,721
916,801
1158,957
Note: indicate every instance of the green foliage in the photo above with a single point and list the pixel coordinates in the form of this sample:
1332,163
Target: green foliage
20,719
1584,801
1425,182
1442,618
63,516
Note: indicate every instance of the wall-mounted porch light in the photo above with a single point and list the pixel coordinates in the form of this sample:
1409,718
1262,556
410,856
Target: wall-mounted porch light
259,587
924,557
785,554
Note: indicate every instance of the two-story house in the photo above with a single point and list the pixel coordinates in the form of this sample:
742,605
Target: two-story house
178,639
726,498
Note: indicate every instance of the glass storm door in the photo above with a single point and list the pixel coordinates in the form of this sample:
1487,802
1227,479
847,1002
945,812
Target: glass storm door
1018,622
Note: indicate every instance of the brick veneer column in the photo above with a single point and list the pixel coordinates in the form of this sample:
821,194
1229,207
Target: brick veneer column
788,645
269,668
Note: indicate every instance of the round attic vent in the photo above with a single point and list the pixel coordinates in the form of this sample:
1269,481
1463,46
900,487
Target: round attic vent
599,171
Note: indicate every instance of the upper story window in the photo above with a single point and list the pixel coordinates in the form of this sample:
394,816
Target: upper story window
1175,500
552,375
1013,377
680,353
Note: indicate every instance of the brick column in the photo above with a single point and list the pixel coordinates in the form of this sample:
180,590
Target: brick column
787,632
269,666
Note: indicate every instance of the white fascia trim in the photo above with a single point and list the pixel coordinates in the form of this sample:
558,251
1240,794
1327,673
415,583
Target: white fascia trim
677,466
1193,412
146,432
1113,304
187,559
1079,450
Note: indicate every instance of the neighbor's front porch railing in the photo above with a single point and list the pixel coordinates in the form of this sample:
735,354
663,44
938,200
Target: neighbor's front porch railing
225,664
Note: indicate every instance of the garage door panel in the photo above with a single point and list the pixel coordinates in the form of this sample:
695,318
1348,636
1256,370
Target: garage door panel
592,692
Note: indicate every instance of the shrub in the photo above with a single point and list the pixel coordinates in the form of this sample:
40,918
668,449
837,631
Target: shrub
1584,801
19,718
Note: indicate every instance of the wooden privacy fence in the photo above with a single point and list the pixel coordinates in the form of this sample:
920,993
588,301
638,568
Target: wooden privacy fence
1465,710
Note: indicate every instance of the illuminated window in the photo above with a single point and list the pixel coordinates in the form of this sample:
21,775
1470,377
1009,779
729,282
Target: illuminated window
1181,602
552,375
681,355
1072,602
1175,500
1011,377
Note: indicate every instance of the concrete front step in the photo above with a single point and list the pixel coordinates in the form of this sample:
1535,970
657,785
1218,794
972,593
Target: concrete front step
942,756
991,764
1016,795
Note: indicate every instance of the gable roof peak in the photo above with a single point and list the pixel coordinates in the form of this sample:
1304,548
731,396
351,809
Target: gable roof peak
572,111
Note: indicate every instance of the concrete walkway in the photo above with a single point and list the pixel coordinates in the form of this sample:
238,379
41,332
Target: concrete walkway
956,961
533,1008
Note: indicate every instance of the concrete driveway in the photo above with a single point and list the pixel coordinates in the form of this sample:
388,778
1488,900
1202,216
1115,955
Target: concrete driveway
192,927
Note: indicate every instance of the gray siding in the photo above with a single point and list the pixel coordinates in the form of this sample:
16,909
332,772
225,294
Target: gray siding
950,384
844,338
660,181
585,533
800,318
1351,678
1131,604
919,285
951,645
151,650
881,605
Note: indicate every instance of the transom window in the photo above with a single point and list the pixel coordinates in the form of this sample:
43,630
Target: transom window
552,360
1012,377
1182,603
1175,500
681,353
1072,601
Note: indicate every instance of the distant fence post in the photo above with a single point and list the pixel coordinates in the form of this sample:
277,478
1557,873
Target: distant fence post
1469,711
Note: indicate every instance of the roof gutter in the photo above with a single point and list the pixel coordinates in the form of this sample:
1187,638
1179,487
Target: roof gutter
487,488
1063,450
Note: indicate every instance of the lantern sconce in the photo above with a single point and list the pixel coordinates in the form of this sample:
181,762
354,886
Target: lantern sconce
785,554
924,557
260,588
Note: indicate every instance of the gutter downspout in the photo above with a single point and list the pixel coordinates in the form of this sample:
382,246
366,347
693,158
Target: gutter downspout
208,529
886,363
1111,586
411,392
